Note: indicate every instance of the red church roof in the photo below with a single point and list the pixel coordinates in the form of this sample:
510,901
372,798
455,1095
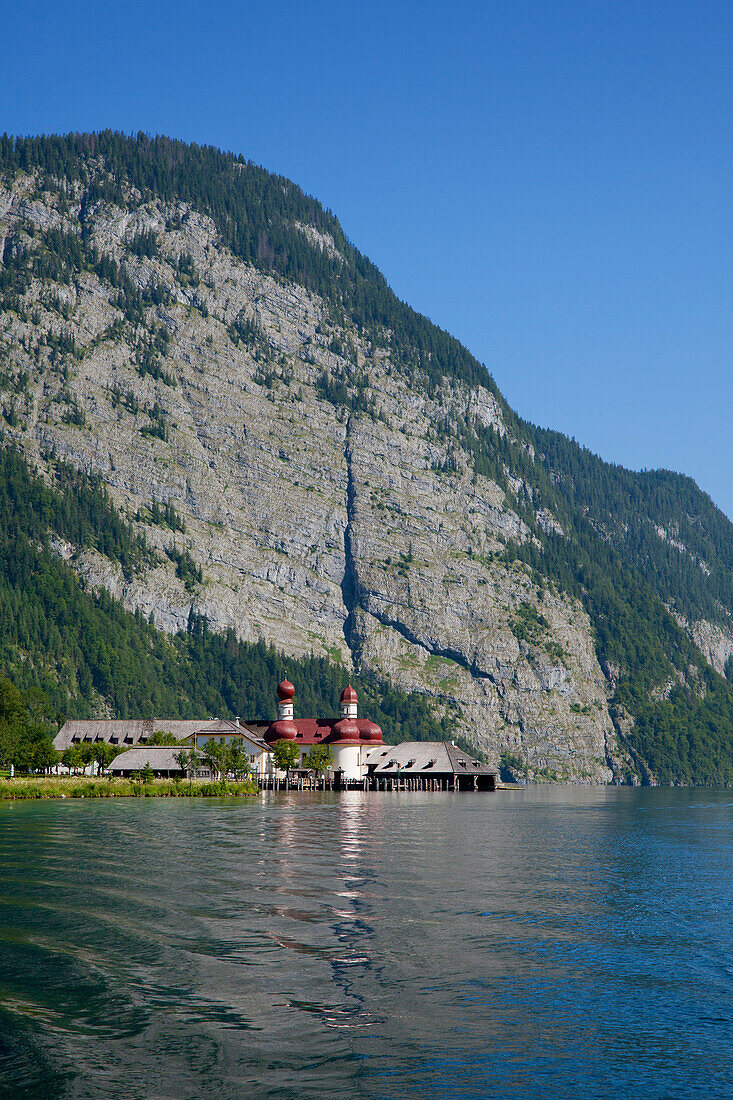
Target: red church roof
317,731
347,730
284,728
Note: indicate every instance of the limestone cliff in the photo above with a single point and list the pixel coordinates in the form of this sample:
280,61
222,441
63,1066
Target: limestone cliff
315,528
321,497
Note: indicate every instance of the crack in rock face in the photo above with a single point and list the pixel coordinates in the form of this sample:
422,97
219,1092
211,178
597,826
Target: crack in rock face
349,532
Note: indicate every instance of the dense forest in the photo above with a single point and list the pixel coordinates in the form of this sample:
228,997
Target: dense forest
632,547
689,564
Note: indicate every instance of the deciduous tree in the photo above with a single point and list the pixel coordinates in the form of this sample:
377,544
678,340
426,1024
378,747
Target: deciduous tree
286,755
318,759
238,762
216,755
104,754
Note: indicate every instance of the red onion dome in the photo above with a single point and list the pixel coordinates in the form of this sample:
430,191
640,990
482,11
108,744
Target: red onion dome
370,731
348,695
285,690
284,728
346,730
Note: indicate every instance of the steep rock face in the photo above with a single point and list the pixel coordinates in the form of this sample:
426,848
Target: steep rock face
714,641
359,534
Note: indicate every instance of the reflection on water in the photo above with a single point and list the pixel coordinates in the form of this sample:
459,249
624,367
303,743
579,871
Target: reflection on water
372,945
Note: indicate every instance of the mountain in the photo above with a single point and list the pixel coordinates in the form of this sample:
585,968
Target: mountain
296,459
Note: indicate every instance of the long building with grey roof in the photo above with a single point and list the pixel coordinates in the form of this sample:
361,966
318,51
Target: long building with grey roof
133,731
162,759
427,765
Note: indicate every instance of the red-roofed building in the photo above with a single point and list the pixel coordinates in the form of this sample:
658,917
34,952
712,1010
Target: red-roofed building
349,737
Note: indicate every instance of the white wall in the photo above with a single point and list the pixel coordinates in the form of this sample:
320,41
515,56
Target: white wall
347,758
351,759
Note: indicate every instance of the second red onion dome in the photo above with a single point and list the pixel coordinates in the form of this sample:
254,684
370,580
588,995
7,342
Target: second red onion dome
346,730
370,731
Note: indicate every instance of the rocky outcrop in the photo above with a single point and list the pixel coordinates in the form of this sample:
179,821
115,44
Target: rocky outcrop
714,641
361,533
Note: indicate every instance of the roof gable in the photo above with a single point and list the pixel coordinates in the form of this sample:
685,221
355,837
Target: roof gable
219,725
426,758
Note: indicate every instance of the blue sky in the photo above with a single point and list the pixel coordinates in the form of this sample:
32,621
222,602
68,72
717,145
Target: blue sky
550,181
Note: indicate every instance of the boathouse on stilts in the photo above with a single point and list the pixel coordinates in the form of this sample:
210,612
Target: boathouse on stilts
427,766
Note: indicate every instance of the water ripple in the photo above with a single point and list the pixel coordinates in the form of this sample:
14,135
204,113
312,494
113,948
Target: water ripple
370,946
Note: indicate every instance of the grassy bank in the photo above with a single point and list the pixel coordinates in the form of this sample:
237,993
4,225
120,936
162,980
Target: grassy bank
83,787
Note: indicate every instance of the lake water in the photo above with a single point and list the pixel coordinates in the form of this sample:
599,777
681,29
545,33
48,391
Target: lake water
546,944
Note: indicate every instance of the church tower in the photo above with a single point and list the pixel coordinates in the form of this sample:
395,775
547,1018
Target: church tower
349,703
285,693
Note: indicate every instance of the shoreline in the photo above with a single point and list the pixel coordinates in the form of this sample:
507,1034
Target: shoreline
53,787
